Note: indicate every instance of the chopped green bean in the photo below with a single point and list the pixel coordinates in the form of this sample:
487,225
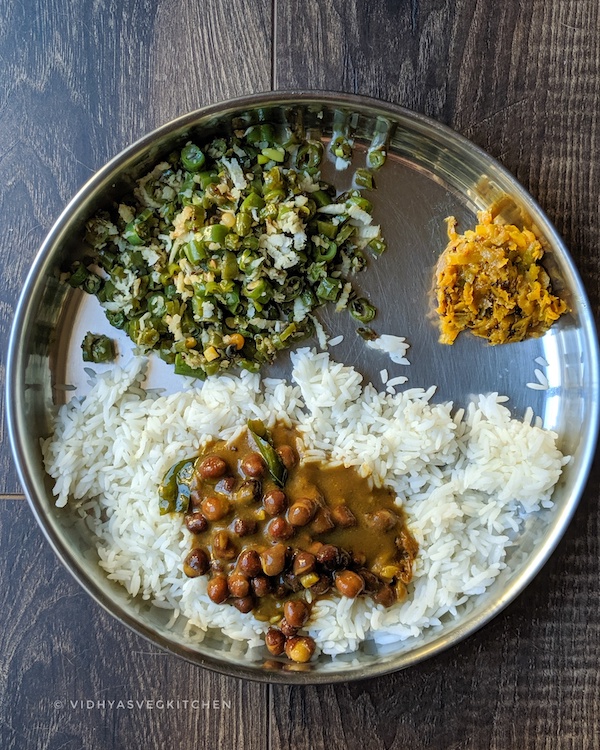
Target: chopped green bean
236,237
192,157
97,348
362,310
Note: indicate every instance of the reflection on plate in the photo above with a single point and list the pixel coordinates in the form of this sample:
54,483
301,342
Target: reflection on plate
430,173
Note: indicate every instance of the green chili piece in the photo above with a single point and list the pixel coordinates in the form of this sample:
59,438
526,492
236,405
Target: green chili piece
287,332
274,154
362,310
229,266
267,133
376,158
268,452
344,233
258,291
252,135
157,305
363,178
137,232
246,259
106,259
147,337
243,222
174,490
327,254
273,196
232,241
207,178
97,348
170,291
116,319
321,198
329,289
252,200
327,228
195,251
248,364
78,276
192,157
92,283
308,298
309,154
358,200
215,233
107,291
377,246
182,368
273,179
341,148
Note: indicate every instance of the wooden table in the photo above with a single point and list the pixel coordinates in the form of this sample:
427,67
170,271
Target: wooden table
81,80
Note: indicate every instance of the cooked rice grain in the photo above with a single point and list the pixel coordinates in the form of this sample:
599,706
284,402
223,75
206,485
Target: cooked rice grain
465,479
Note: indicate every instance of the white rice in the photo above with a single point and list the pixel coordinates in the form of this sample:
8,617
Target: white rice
394,346
541,384
466,480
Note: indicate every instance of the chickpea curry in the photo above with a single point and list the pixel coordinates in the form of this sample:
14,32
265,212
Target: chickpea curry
275,534
489,280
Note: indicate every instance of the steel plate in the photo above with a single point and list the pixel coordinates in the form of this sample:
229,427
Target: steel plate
431,173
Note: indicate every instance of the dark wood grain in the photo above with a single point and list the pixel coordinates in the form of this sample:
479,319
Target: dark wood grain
80,81
59,648
83,79
522,81
519,79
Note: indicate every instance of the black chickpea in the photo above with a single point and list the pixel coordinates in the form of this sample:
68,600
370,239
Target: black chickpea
343,516
242,505
225,485
287,455
385,596
248,492
239,585
273,559
372,581
382,520
280,590
244,604
304,562
275,502
196,563
244,526
279,528
261,585
275,641
215,508
349,583
296,612
300,648
253,465
322,586
329,557
292,582
249,562
322,522
222,546
287,629
196,523
217,589
211,467
359,558
302,511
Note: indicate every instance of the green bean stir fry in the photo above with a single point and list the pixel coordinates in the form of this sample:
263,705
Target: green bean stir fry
223,252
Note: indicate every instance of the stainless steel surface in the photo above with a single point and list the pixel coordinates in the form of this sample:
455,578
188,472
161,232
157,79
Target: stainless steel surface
431,172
